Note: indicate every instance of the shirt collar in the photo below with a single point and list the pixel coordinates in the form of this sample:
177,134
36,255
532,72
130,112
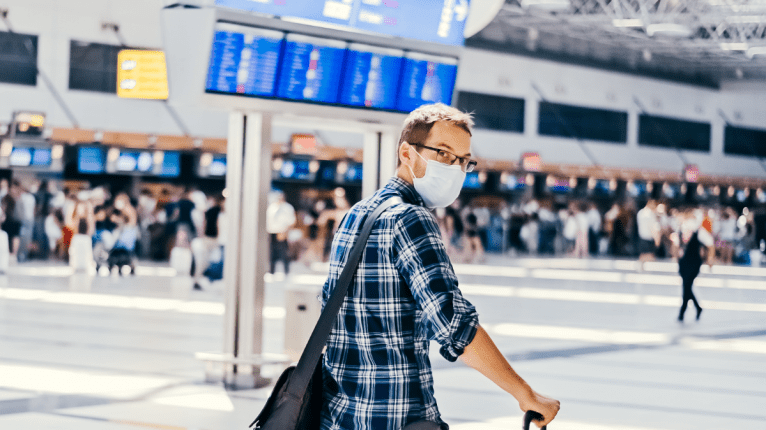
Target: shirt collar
406,190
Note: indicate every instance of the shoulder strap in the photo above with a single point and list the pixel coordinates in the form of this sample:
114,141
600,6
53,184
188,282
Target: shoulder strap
299,381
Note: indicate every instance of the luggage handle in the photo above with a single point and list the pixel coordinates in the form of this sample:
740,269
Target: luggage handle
532,415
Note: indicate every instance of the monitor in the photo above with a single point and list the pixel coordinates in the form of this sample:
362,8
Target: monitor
90,160
244,60
21,157
297,170
41,157
472,181
371,76
171,164
426,79
217,166
355,173
435,21
310,69
135,161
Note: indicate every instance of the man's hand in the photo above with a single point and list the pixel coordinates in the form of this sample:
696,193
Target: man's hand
545,406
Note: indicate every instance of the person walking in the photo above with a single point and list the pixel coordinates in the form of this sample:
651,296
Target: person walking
280,218
376,370
690,262
648,233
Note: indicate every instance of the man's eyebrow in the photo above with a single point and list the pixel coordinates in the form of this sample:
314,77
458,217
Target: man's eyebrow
450,149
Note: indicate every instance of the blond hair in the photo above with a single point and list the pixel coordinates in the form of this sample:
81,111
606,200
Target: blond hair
418,123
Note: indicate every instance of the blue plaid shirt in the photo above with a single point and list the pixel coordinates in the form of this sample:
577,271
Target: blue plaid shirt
377,374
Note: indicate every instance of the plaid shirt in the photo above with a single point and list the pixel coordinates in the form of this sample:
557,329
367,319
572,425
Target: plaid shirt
377,374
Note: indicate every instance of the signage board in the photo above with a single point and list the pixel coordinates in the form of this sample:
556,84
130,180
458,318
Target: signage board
438,21
142,74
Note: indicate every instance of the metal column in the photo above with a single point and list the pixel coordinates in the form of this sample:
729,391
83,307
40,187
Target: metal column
248,182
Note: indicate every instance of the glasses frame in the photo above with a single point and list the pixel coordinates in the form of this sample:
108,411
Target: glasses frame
469,166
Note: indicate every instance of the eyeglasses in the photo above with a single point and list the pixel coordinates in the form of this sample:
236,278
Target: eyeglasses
448,158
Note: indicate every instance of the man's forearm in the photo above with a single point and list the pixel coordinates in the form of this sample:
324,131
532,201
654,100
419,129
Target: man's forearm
482,355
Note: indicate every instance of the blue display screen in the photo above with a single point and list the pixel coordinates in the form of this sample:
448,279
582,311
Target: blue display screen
602,187
354,173
171,164
90,160
217,166
135,161
371,77
296,169
472,181
426,79
244,60
311,69
26,157
515,183
436,21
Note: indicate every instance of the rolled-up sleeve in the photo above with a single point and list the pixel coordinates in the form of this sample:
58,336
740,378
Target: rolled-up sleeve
422,262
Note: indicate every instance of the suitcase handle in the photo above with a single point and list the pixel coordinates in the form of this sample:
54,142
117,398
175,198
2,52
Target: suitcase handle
532,415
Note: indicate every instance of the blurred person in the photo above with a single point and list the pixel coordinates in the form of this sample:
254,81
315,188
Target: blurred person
145,210
181,216
474,249
280,217
203,247
405,290
126,236
547,228
314,238
570,229
11,225
594,228
43,198
81,248
727,235
530,233
25,213
583,229
54,225
4,188
696,240
648,232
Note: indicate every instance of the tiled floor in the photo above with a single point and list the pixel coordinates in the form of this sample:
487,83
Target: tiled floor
118,353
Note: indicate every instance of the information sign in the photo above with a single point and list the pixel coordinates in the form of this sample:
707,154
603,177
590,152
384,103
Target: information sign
439,21
142,74
244,60
426,79
311,68
371,76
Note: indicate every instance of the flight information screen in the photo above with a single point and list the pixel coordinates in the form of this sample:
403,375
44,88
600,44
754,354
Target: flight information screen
439,21
244,60
311,68
371,76
426,79
90,160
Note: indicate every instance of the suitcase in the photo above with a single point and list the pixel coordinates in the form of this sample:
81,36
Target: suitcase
532,415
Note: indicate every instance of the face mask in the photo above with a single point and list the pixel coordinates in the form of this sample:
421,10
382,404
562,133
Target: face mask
441,184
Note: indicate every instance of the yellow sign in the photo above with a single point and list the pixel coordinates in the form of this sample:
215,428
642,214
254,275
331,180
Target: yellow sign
142,74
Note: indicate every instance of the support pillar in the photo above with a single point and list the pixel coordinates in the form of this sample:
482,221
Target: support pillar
248,181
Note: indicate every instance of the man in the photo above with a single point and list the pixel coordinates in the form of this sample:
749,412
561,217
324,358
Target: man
648,233
280,218
376,370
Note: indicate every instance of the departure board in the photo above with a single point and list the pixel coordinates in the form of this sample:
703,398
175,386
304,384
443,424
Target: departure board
244,60
311,68
439,21
426,79
371,76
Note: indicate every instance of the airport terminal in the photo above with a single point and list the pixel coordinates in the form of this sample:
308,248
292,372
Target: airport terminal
173,175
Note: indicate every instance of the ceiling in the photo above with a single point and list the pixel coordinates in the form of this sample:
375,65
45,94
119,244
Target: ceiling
702,42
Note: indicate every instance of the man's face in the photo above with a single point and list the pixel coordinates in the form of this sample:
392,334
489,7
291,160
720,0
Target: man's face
443,135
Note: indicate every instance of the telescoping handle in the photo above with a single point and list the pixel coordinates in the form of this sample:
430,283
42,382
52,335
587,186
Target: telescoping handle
532,415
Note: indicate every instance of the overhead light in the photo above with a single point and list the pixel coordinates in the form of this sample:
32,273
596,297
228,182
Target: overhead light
756,50
669,29
551,5
627,23
746,19
739,46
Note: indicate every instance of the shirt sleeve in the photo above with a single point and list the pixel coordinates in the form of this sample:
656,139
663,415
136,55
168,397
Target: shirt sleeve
422,263
705,237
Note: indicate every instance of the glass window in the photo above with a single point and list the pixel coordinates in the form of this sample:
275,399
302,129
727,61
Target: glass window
93,66
582,123
18,58
673,133
493,112
745,141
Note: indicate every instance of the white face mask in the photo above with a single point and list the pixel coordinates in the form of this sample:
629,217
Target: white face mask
441,184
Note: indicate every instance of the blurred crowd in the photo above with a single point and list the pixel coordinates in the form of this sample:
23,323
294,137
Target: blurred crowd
92,227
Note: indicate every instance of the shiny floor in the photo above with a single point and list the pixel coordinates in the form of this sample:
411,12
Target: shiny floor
110,352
